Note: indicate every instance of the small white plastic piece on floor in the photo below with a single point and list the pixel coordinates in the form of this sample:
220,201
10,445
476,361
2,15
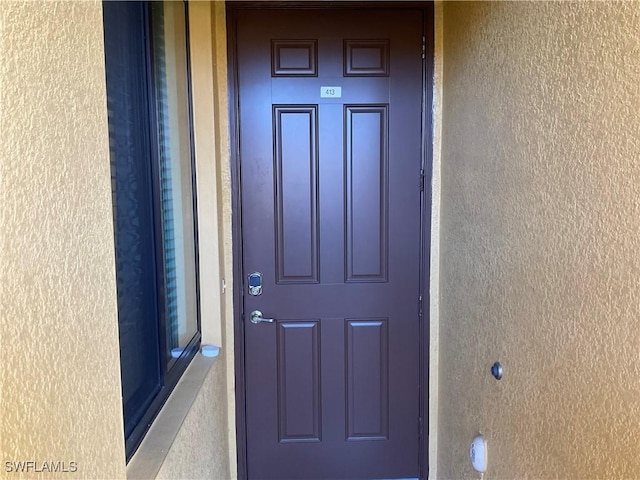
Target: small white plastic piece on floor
478,454
176,352
210,351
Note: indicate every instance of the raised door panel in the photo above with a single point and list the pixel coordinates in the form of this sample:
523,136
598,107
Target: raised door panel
367,379
299,406
366,189
366,58
296,189
294,58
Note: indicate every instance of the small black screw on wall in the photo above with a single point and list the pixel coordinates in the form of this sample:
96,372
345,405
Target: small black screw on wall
496,370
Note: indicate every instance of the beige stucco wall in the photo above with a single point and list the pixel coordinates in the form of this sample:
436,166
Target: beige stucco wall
201,39
199,450
434,256
60,395
540,234
225,224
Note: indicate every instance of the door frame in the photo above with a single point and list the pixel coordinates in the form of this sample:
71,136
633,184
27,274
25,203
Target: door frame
423,181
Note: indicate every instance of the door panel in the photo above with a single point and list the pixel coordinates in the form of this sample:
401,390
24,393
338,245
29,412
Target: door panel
299,401
367,380
330,155
366,185
296,180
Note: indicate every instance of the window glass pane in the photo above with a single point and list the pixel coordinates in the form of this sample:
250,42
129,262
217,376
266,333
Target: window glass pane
169,41
127,102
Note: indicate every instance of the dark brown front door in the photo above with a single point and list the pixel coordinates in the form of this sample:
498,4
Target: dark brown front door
330,156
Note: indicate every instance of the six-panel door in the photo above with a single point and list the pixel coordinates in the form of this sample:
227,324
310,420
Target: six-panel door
330,140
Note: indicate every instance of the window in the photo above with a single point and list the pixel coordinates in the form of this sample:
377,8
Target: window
154,208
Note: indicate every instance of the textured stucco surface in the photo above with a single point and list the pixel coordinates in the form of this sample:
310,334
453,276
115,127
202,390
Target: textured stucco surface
199,451
540,234
60,395
434,260
223,151
202,78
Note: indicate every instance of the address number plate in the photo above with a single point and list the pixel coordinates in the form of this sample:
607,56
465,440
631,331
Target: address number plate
330,92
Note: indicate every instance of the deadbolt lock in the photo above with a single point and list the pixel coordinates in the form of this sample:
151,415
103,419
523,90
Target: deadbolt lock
255,284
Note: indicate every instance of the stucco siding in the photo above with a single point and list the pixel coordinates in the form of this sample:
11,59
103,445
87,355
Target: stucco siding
200,449
540,234
60,394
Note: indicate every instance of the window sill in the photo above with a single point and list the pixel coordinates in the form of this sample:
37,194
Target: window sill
151,453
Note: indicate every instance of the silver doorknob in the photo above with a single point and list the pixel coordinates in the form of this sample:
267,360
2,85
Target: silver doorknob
256,317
